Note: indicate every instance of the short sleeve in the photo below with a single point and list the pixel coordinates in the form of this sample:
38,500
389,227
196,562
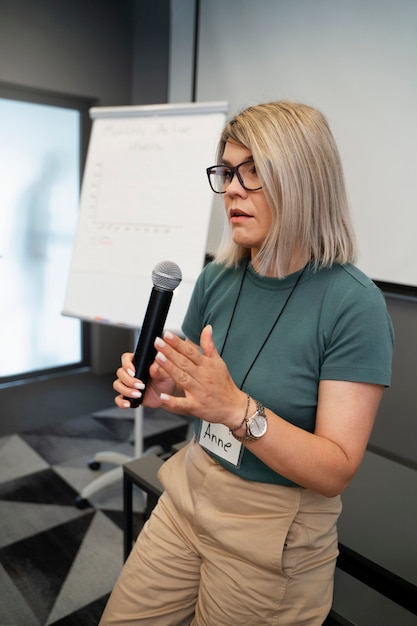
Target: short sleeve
359,345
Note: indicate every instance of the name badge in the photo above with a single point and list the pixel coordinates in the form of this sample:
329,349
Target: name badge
216,438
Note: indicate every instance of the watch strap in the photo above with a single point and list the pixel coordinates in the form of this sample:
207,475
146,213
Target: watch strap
260,410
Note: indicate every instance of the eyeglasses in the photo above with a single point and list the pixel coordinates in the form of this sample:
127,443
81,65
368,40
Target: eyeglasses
220,176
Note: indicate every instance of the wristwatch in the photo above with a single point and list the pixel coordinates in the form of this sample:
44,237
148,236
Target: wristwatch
256,425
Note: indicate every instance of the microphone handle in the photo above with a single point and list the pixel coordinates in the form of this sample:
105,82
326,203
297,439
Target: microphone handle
153,325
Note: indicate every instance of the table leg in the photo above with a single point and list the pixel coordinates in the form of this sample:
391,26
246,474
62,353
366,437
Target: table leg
127,515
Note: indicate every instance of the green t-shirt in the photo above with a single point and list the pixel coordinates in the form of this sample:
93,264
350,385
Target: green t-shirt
335,326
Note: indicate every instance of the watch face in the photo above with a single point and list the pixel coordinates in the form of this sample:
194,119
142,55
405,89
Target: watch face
257,426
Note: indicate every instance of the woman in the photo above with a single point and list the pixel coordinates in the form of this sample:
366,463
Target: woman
288,351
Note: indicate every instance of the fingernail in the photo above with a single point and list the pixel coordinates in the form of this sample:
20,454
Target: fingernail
131,373
139,386
164,396
160,343
126,405
168,334
161,357
136,394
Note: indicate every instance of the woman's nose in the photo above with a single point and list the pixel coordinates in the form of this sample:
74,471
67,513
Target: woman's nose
235,187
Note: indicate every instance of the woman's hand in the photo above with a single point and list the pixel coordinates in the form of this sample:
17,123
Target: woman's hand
128,386
209,391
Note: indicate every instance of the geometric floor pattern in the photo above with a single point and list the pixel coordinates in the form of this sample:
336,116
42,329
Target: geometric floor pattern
58,563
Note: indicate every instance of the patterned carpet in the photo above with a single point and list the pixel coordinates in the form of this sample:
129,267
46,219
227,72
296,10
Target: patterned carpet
58,563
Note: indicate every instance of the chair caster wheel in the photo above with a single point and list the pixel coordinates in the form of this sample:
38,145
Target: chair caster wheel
94,465
81,503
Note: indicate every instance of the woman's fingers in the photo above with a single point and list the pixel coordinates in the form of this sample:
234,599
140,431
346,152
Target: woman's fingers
126,384
183,347
125,391
127,364
207,344
180,359
200,372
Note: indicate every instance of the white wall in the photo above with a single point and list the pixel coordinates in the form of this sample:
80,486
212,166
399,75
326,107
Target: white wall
356,60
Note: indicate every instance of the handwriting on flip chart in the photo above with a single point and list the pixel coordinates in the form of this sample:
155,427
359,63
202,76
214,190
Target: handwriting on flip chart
144,198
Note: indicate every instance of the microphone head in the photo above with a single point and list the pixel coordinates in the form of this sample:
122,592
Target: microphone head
166,275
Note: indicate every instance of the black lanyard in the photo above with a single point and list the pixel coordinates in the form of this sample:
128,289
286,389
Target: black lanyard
272,327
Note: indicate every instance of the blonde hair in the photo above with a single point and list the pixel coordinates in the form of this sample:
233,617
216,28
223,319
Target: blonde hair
298,162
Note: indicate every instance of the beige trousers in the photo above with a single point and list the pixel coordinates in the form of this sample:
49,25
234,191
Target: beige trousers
222,551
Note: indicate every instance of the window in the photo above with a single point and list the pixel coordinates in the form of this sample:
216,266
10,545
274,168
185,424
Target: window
39,195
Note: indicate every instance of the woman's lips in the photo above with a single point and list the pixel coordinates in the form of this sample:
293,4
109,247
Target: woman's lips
236,215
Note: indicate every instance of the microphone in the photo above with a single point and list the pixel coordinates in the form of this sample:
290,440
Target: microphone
166,276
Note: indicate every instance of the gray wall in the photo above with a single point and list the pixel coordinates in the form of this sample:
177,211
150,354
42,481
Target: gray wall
395,431
78,47
113,51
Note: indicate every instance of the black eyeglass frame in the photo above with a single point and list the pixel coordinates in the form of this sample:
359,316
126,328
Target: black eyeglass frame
234,170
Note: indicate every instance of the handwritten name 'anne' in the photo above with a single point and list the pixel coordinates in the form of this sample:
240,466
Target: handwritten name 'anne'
214,439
